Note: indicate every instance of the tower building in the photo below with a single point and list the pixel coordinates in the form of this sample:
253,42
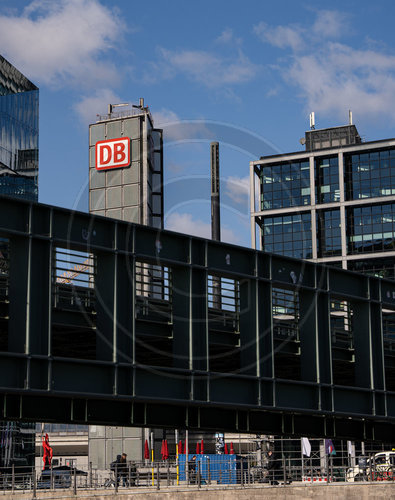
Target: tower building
126,183
126,166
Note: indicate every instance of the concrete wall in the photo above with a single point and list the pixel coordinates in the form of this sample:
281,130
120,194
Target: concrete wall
333,491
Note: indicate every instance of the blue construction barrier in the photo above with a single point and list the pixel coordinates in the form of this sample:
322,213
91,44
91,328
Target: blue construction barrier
223,469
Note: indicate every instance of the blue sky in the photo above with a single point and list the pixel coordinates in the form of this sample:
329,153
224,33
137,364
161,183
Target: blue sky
244,73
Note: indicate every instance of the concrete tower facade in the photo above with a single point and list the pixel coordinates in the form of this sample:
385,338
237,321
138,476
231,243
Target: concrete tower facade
126,167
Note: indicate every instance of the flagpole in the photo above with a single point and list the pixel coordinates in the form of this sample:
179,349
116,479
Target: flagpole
301,450
187,455
152,456
177,464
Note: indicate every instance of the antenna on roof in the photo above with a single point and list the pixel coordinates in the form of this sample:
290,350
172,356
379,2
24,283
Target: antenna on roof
312,120
349,117
112,106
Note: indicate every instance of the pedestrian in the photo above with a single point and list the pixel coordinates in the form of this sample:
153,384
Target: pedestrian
192,470
272,466
123,469
114,467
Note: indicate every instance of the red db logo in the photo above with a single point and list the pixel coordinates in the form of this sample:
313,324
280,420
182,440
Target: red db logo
113,153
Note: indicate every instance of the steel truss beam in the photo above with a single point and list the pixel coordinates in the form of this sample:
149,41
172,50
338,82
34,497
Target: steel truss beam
186,332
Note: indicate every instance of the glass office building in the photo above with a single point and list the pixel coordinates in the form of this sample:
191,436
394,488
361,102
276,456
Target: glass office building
18,133
334,202
18,177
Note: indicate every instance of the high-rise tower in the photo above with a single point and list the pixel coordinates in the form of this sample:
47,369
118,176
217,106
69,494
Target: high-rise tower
18,177
18,133
126,166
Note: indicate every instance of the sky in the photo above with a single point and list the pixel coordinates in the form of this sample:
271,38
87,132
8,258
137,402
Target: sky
246,74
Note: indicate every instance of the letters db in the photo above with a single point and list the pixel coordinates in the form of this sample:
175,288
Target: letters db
113,153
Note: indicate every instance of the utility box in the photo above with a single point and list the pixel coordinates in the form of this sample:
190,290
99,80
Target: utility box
220,469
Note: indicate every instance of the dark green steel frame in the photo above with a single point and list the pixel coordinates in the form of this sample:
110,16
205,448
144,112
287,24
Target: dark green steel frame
34,385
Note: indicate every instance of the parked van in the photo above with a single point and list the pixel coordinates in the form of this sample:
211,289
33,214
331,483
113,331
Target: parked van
381,463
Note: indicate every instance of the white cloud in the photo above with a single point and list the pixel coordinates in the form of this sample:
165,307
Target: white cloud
208,69
186,224
164,116
333,77
339,77
281,36
228,37
59,42
329,23
238,189
90,106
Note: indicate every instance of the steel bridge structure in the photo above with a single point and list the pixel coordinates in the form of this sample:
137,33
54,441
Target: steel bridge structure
106,322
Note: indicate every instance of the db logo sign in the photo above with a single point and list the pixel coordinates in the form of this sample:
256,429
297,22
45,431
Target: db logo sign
113,153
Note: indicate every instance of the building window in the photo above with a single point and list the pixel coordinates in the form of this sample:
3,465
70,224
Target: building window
288,235
371,228
327,180
370,175
285,185
328,233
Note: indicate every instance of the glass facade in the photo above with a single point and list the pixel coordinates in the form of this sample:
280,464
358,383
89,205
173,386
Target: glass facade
285,185
370,174
327,180
18,134
328,233
288,235
371,228
17,444
18,177
369,225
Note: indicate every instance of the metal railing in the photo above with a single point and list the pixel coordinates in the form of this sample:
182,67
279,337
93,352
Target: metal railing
204,472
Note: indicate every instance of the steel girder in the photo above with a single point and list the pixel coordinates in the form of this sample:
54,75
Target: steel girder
125,329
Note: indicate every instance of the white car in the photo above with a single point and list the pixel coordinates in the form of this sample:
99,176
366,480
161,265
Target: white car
381,462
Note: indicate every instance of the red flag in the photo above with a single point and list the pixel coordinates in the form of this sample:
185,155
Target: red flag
180,447
197,448
201,447
47,455
166,450
162,449
146,450
226,449
232,451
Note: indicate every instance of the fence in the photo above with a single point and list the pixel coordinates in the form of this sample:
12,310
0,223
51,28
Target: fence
203,472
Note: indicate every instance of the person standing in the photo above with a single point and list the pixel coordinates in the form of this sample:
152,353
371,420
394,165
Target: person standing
192,470
123,469
273,465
